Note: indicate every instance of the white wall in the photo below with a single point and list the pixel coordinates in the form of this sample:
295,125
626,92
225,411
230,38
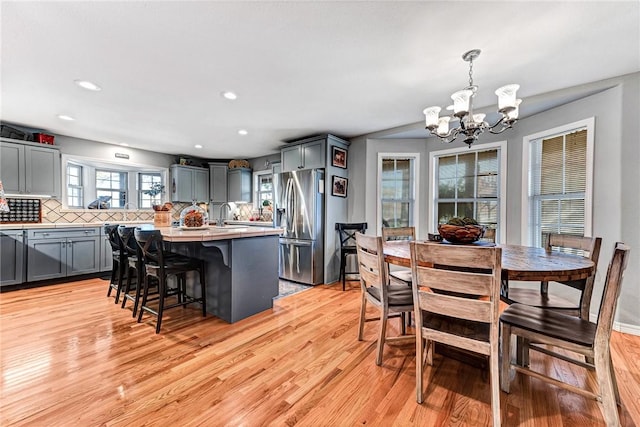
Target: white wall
616,176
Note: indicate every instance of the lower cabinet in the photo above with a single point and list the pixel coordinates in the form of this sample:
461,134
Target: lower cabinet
60,252
12,257
106,253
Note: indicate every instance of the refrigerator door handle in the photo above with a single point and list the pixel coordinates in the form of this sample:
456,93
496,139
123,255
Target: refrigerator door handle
296,242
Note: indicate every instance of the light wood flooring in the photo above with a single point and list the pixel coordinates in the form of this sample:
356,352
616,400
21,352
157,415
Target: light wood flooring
71,357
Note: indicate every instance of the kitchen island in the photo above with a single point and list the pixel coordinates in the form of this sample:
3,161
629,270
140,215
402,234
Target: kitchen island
241,266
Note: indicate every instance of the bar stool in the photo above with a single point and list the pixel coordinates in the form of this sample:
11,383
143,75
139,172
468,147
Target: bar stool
347,233
134,265
119,261
159,265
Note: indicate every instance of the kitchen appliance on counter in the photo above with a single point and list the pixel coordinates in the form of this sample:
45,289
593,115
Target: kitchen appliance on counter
299,212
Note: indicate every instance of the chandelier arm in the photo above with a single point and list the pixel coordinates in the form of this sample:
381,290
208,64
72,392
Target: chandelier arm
506,124
450,137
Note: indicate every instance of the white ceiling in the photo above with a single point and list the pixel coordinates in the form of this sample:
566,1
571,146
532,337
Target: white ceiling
299,68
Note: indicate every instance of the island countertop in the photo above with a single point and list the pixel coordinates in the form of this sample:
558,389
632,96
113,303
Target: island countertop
180,234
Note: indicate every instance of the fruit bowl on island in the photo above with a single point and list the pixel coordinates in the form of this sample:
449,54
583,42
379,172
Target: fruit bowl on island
461,230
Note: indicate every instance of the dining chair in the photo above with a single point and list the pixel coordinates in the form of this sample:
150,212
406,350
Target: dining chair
584,246
579,336
347,235
392,299
119,261
456,293
399,274
161,265
135,265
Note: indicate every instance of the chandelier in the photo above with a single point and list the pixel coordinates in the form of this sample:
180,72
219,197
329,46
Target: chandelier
471,125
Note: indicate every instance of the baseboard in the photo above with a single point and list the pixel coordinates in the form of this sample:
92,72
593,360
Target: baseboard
625,328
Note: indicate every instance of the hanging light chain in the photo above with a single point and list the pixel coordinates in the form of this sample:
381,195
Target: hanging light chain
471,72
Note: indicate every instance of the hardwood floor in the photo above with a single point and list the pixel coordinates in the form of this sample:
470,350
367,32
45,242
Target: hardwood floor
71,357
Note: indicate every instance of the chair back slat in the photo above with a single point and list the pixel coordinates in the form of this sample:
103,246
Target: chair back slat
112,236
150,243
127,239
476,283
463,256
453,306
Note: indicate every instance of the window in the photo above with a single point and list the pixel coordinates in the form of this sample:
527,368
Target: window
397,188
469,183
559,163
145,183
112,184
74,186
264,189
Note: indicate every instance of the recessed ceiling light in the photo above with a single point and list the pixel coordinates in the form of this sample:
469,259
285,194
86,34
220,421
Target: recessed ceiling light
124,144
229,95
198,146
243,132
88,85
65,117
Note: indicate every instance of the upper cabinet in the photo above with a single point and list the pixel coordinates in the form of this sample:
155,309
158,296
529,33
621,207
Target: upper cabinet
239,185
189,183
308,155
218,182
30,169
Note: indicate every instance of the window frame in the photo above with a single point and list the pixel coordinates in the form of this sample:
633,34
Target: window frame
140,193
415,191
124,188
501,146
79,187
257,202
526,228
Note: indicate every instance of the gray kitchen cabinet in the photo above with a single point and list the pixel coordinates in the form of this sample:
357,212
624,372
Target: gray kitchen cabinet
218,182
303,156
30,169
239,185
12,257
189,183
60,252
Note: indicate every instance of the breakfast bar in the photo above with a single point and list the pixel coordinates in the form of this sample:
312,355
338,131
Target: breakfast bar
241,266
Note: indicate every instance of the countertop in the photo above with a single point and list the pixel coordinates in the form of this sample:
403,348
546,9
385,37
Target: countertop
179,234
28,226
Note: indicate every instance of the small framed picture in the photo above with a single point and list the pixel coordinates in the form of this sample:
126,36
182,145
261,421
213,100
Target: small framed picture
339,186
339,157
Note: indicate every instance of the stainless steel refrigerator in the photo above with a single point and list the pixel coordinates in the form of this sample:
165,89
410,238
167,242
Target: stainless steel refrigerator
299,211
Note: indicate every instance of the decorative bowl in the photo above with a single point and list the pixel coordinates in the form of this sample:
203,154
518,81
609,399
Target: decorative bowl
461,234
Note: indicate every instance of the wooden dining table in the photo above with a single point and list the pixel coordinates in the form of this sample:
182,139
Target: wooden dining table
523,263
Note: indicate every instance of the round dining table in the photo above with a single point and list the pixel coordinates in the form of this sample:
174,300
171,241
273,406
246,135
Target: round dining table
523,263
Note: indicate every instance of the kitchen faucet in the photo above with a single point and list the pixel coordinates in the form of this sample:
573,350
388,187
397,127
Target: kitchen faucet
221,215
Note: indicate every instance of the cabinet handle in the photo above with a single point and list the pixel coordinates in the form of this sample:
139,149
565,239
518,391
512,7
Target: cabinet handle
86,231
45,234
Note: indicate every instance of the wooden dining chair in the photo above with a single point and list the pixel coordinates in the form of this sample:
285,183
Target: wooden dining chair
580,336
584,246
456,293
399,274
392,299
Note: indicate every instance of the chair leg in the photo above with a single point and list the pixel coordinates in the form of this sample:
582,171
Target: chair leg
403,323
343,263
145,295
614,381
202,289
381,337
606,388
162,289
419,364
121,268
494,372
363,310
113,278
505,367
127,288
139,285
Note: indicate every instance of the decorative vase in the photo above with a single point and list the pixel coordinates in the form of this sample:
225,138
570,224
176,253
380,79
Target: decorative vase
162,218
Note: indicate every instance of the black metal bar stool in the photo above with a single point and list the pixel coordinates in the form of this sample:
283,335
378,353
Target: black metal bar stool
347,233
160,265
119,261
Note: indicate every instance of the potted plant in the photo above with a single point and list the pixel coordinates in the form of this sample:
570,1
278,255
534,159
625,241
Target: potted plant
161,216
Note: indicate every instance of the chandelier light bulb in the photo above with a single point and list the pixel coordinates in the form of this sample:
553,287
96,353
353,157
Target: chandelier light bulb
443,125
431,115
507,97
478,118
461,102
513,113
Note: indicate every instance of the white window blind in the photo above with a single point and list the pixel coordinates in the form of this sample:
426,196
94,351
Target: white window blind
558,185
